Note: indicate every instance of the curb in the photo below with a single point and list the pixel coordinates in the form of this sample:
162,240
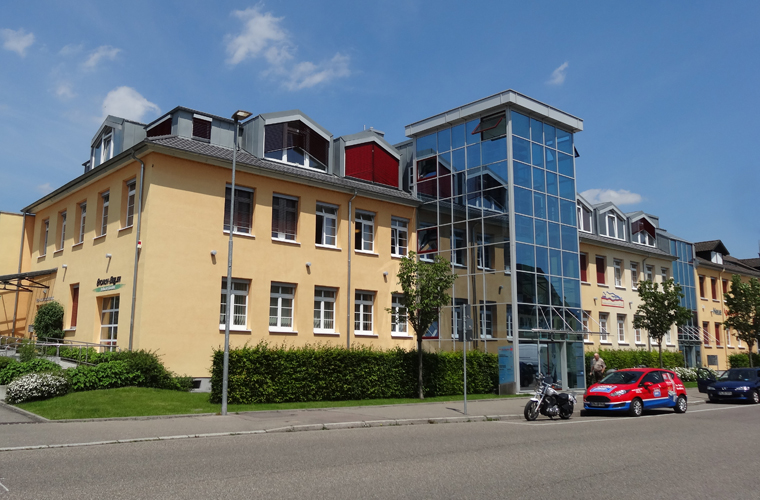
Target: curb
289,428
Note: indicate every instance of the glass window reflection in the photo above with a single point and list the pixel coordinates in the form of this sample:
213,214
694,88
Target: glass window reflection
549,135
470,128
564,141
494,150
542,289
520,125
569,238
565,164
542,260
551,160
522,174
542,236
426,145
538,155
572,293
570,265
523,201
556,291
458,160
566,187
521,150
568,213
552,184
499,172
525,259
539,205
555,262
555,238
552,208
526,287
536,131
457,136
444,140
473,156
539,182
523,229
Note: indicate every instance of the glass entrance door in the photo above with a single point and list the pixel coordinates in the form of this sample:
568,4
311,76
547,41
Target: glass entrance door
540,357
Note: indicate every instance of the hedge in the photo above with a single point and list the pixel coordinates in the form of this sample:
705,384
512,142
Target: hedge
742,360
265,374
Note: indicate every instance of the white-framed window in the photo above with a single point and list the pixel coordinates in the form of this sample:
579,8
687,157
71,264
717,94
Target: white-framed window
324,310
615,227
44,239
644,238
485,251
130,203
327,225
668,338
284,217
649,273
363,302
243,209
621,327
618,265
459,252
297,143
664,274
716,257
105,199
485,320
728,337
634,275
239,291
281,307
106,147
585,325
399,317
603,326
109,322
82,219
584,218
364,231
399,236
637,335
63,230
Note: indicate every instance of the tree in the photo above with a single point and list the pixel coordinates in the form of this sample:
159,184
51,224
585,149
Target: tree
660,309
424,286
49,321
743,304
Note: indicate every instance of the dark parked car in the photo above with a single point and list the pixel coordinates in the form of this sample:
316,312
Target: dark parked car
736,384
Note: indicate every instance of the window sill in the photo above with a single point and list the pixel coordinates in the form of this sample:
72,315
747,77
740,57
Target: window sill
641,343
99,237
72,329
703,298
670,345
334,334
623,343
367,334
41,257
605,342
716,300
741,347
590,342
236,331
730,347
602,285
397,256
365,252
620,288
397,336
58,252
76,245
126,227
288,242
328,247
244,235
585,283
707,346
719,347
282,330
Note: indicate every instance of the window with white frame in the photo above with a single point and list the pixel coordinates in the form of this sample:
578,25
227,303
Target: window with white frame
618,265
399,317
363,302
63,231
585,325
44,239
485,254
284,217
327,225
82,219
644,238
106,147
459,252
664,274
109,322
634,276
603,326
239,292
716,257
130,203
105,199
649,274
399,236
295,142
621,327
584,218
637,335
364,231
485,320
243,209
281,307
615,227
668,338
324,310
728,336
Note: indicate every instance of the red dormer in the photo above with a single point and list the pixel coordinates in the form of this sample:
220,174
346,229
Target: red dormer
369,157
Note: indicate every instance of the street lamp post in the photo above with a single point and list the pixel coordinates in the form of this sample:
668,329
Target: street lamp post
237,116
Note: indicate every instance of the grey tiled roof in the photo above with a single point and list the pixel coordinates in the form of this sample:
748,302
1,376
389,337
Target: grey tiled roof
730,265
593,238
755,263
301,174
710,246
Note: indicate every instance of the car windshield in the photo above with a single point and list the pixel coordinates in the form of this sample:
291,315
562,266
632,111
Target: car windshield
621,377
738,375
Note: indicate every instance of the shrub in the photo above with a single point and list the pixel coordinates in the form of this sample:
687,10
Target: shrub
264,374
48,323
36,386
5,361
27,351
15,370
103,376
742,360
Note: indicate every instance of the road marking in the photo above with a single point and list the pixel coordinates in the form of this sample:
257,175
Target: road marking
1,484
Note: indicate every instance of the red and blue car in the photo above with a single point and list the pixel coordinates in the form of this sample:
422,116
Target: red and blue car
634,390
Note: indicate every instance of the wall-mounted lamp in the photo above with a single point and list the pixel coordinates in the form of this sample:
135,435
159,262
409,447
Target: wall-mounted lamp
595,299
500,288
213,252
64,266
308,264
630,304
108,256
385,273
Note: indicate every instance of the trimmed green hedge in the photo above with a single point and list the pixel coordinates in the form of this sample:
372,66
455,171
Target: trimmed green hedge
265,374
742,360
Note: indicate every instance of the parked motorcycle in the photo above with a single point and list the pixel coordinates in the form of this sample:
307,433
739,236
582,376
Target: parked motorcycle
549,402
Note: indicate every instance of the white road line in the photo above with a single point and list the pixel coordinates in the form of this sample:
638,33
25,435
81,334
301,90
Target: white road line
1,484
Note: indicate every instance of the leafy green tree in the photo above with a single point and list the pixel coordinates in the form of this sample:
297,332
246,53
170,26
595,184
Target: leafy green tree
49,321
743,304
660,310
424,286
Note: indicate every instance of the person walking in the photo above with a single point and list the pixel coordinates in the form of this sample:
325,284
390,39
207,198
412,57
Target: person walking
598,368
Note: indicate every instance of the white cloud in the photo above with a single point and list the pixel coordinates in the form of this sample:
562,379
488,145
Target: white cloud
559,74
619,197
264,36
45,188
102,52
64,90
126,102
71,49
16,41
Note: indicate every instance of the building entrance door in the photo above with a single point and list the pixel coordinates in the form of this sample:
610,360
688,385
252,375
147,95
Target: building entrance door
540,357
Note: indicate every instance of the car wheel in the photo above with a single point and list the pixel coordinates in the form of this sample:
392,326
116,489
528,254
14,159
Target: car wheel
637,408
531,411
755,397
680,405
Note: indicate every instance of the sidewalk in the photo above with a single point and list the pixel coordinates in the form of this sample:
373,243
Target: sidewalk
103,431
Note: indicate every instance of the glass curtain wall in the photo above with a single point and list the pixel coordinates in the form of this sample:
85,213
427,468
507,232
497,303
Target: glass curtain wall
689,341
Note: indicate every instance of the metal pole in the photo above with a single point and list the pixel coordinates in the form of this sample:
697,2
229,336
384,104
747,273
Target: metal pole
464,356
137,252
226,365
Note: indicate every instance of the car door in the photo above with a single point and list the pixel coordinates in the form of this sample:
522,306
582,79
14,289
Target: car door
652,395
704,378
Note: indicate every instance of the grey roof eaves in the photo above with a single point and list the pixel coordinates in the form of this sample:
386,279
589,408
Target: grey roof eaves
624,245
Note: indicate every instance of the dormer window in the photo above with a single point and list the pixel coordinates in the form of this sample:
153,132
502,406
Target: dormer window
644,238
294,142
164,127
643,233
614,226
106,147
584,218
201,127
716,257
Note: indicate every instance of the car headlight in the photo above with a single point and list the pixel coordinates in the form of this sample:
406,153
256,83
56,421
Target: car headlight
619,393
711,388
743,388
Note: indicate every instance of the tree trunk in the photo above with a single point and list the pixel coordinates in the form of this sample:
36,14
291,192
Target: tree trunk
420,386
660,345
750,354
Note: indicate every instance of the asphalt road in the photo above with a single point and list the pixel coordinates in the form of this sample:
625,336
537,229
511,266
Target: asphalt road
710,452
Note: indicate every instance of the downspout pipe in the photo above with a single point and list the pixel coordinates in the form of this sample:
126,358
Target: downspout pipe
348,293
137,251
20,259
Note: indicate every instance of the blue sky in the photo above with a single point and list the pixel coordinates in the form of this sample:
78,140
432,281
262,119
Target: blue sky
668,91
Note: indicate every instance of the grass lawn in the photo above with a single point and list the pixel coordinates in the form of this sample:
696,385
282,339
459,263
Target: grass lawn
689,384
142,402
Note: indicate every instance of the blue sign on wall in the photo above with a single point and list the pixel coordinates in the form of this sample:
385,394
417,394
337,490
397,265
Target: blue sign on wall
506,364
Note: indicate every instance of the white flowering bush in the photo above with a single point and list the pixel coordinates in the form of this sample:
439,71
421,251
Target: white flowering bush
690,374
36,386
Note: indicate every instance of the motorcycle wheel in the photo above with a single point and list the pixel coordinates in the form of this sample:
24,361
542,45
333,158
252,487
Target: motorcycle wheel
531,411
564,415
